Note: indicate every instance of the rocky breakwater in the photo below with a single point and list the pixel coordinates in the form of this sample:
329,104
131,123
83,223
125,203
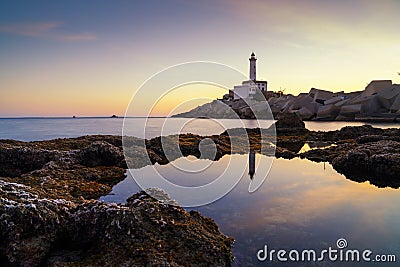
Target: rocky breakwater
230,109
379,101
49,214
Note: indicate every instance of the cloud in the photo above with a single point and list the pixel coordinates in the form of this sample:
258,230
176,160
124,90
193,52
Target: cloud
79,37
39,29
47,30
322,22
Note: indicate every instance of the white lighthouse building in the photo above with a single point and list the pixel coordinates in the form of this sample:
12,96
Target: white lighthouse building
248,88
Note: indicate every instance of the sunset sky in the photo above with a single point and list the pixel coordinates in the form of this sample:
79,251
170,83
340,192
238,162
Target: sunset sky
88,58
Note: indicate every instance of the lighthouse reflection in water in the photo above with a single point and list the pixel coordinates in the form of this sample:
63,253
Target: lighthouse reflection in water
252,164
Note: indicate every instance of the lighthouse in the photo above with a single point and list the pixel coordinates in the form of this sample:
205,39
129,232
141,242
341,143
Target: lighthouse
249,88
253,60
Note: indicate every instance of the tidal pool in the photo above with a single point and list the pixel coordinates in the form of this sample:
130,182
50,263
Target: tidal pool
300,205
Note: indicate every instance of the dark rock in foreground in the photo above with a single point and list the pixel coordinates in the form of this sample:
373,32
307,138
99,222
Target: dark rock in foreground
49,214
55,232
377,161
289,121
85,167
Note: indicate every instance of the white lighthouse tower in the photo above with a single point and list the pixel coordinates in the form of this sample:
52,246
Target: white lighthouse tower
253,60
249,88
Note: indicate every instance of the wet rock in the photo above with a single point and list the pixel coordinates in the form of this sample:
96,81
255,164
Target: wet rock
387,166
287,121
16,160
290,132
352,132
354,161
377,162
101,153
144,232
369,138
326,154
375,138
60,171
284,153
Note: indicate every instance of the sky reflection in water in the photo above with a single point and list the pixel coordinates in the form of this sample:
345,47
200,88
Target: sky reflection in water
300,205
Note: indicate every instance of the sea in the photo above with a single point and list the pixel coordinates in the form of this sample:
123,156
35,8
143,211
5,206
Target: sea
300,206
37,128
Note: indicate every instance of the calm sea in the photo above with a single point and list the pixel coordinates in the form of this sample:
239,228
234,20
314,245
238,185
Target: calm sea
34,129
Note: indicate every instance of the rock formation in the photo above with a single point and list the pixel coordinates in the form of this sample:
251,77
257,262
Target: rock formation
38,231
49,213
230,109
85,167
380,101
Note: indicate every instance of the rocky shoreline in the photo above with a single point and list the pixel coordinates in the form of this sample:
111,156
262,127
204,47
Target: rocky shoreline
39,231
49,213
49,190
378,102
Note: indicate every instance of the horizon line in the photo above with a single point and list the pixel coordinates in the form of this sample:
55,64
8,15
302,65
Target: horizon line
78,117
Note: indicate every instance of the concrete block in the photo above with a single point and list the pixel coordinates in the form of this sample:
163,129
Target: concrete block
305,113
334,100
327,112
350,109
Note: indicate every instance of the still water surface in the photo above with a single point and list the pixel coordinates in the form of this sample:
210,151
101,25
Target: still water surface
34,129
301,205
